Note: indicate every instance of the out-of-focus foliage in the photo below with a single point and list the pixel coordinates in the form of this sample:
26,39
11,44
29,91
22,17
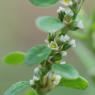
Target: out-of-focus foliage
16,88
15,58
43,3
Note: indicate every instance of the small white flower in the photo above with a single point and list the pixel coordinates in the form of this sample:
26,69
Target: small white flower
64,38
67,2
77,1
64,53
80,25
35,78
31,82
36,70
57,79
72,43
60,9
53,45
69,12
63,62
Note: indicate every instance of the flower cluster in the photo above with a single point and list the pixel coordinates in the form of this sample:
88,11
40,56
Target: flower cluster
68,13
49,81
36,76
59,42
53,79
61,45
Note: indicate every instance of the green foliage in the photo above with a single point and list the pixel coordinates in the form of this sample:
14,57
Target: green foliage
16,88
17,57
66,71
49,24
85,56
37,54
43,3
79,83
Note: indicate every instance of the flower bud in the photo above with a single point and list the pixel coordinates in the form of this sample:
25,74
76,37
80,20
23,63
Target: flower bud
63,62
72,43
80,24
64,53
35,78
31,82
67,2
64,38
53,45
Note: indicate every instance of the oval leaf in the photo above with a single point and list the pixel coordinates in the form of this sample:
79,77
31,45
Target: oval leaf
15,58
37,54
49,24
79,83
16,88
66,71
43,3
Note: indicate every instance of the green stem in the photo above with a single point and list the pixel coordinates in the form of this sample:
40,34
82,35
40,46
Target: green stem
41,92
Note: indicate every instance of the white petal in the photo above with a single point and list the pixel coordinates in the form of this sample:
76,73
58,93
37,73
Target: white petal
69,12
64,53
36,70
64,38
63,62
57,79
35,78
72,43
80,24
31,82
60,9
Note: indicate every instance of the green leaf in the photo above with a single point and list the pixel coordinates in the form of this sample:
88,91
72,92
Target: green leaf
49,24
16,88
15,58
79,83
43,3
37,54
66,71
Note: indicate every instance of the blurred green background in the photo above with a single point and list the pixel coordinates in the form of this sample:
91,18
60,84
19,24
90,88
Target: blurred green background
18,32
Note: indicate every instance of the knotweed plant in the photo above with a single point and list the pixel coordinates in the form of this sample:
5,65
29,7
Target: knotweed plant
51,69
